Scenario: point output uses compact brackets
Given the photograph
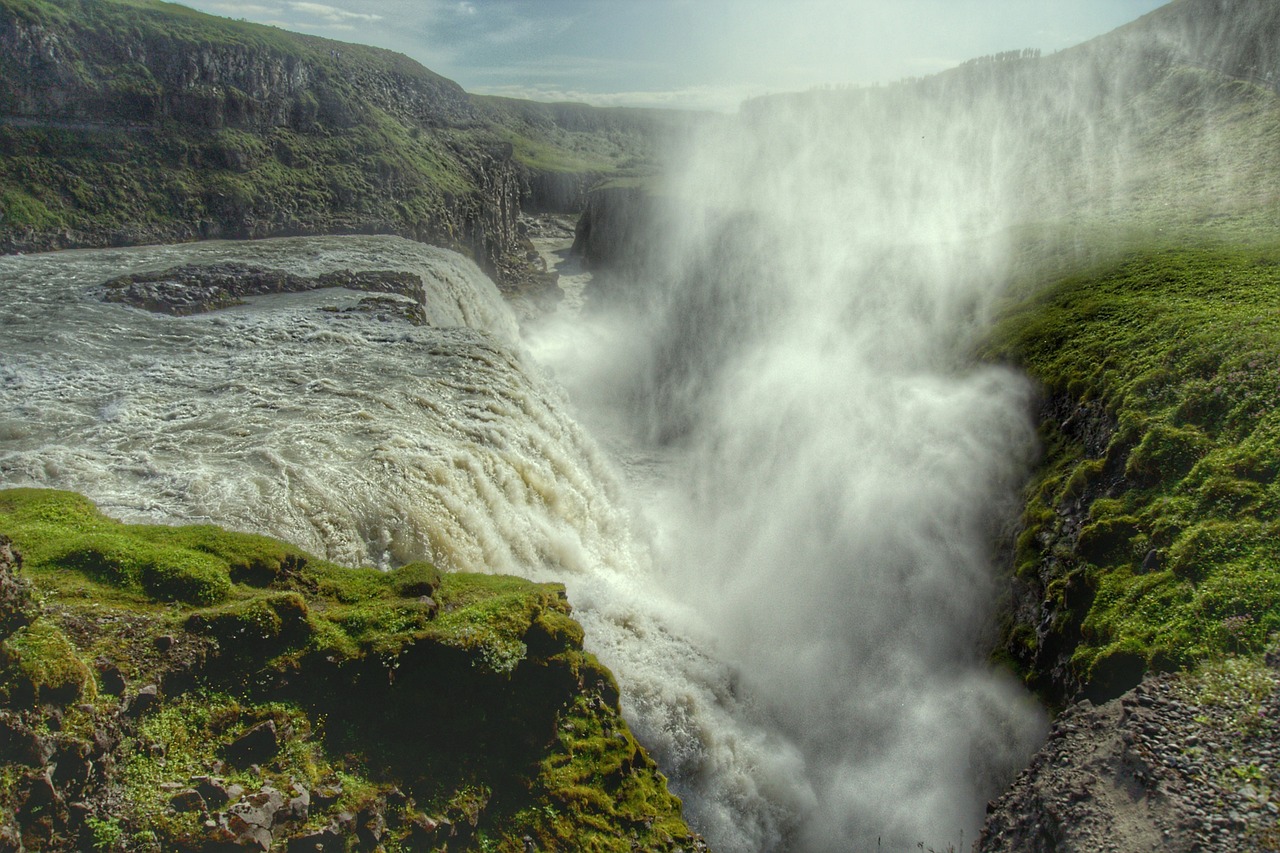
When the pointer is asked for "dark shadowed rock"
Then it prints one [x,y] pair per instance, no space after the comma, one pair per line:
[110,678]
[20,743]
[38,800]
[371,825]
[423,830]
[16,608]
[188,800]
[327,840]
[258,744]
[144,700]
[72,765]
[213,790]
[326,793]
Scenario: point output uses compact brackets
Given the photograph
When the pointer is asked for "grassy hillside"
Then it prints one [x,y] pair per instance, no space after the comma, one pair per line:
[1146,310]
[125,121]
[1151,530]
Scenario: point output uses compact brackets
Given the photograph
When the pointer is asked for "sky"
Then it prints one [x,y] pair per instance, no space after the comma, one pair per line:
[703,54]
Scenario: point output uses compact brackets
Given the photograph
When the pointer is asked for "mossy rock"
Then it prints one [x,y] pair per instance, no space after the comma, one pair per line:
[415,579]
[477,705]
[39,665]
[1110,540]
[268,623]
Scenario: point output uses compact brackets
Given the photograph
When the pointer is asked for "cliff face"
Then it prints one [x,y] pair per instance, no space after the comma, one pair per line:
[615,226]
[146,122]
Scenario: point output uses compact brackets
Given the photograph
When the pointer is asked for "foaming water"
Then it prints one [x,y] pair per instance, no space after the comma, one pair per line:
[368,442]
[838,469]
[800,655]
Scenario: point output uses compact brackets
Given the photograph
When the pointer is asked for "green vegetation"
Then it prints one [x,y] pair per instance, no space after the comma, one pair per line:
[273,133]
[1238,684]
[417,699]
[1151,528]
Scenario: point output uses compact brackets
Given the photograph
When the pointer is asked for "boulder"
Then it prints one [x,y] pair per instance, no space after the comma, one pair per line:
[251,819]
[258,744]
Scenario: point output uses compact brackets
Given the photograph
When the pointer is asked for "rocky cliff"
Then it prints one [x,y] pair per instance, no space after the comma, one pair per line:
[126,123]
[1177,764]
[615,226]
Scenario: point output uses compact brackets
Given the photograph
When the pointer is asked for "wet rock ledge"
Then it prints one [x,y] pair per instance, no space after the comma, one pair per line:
[196,289]
[192,689]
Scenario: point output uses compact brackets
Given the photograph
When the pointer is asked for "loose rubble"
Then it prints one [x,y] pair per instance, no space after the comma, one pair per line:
[1163,768]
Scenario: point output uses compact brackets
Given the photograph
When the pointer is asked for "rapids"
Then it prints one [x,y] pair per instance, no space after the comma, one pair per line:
[377,443]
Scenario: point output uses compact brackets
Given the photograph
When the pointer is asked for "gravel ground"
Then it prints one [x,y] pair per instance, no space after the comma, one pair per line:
[1180,764]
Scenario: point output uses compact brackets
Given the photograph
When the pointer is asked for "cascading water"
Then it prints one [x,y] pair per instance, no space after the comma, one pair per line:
[793,611]
[365,441]
[836,468]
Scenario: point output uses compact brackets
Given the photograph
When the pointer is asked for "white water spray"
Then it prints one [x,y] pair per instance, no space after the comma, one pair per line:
[838,469]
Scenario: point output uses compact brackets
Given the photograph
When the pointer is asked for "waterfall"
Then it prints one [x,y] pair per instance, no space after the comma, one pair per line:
[837,469]
[790,577]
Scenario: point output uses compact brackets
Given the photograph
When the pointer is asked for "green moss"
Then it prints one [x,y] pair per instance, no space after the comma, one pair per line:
[415,579]
[39,664]
[477,700]
[1180,345]
[590,787]
[188,737]
[1236,684]
[258,626]
[20,209]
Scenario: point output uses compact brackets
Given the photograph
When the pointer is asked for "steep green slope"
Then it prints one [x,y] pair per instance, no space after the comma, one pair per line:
[1145,308]
[188,688]
[1151,528]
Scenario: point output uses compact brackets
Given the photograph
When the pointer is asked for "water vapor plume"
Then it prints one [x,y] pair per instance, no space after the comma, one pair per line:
[797,349]
[840,467]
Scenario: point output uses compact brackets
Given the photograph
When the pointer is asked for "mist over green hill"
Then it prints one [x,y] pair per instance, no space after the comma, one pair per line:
[1136,178]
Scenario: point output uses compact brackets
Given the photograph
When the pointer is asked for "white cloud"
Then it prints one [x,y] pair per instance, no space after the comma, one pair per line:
[244,10]
[333,15]
[712,98]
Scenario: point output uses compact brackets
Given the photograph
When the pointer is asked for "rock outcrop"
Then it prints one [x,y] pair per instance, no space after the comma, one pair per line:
[615,226]
[193,289]
[191,689]
[126,123]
